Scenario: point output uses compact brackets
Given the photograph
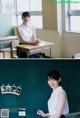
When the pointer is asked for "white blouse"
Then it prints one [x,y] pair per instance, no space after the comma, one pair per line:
[27,32]
[53,102]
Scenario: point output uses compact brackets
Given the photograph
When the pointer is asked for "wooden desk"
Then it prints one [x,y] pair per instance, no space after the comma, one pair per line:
[8,40]
[33,49]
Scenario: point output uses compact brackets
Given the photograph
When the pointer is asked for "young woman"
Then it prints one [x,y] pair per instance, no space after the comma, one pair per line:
[26,33]
[58,103]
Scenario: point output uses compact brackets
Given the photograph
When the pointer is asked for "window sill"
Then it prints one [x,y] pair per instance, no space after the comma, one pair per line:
[76,32]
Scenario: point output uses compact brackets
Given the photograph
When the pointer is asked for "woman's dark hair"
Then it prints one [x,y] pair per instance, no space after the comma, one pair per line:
[54,74]
[26,14]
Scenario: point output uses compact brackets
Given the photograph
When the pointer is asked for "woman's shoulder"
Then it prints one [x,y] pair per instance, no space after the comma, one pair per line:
[62,92]
[19,27]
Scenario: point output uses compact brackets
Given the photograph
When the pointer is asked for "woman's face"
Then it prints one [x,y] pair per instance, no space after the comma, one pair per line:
[53,83]
[25,19]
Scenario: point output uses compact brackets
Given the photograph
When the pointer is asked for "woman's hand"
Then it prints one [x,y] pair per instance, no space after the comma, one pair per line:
[40,112]
[38,41]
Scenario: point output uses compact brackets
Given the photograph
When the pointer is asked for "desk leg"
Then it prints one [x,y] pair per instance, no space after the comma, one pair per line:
[19,52]
[41,55]
[11,52]
[50,52]
[27,55]
[3,55]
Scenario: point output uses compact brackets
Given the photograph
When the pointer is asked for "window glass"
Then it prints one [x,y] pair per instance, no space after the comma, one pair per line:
[19,18]
[73,17]
[23,5]
[36,21]
[8,5]
[74,6]
[75,23]
[30,5]
[17,7]
[35,5]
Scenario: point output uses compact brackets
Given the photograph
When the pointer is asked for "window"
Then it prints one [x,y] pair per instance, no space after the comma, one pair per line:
[7,5]
[35,9]
[22,5]
[73,16]
[17,7]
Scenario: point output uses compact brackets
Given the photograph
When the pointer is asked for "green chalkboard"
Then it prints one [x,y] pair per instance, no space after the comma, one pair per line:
[31,75]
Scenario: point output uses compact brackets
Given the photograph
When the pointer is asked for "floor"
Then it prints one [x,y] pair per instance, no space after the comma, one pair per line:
[7,55]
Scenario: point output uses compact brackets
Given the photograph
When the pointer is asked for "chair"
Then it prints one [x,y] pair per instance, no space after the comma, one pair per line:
[3,53]
[14,44]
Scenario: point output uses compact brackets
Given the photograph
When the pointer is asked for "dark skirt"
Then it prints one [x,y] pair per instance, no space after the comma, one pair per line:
[62,116]
[21,53]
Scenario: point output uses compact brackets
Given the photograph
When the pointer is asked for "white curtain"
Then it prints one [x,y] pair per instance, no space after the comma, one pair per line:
[0,5]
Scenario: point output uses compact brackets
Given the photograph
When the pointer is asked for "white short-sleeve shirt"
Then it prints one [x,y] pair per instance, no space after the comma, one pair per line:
[27,32]
[53,102]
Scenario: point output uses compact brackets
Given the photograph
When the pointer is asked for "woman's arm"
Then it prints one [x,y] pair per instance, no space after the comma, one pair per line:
[22,39]
[62,100]
[41,113]
[61,103]
[34,36]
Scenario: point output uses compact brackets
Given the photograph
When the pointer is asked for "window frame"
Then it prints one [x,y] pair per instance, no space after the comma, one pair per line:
[32,13]
[68,14]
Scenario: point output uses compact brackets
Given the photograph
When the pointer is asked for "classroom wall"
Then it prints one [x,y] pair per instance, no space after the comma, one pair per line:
[70,44]
[65,47]
[5,24]
[49,14]
[51,36]
[31,75]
